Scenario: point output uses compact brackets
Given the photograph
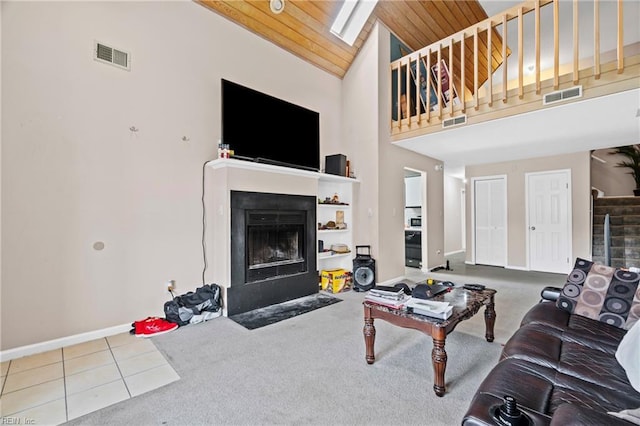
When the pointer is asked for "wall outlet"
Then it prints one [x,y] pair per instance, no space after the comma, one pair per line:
[170,286]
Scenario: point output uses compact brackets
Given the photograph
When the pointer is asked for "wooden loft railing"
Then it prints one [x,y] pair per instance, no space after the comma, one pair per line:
[463,86]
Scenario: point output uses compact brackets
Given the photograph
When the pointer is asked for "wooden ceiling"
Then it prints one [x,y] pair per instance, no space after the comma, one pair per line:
[302,28]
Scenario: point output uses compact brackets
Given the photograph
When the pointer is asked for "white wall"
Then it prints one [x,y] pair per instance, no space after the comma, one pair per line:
[516,172]
[379,215]
[612,180]
[73,174]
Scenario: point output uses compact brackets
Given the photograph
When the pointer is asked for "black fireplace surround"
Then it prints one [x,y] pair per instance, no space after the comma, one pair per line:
[273,257]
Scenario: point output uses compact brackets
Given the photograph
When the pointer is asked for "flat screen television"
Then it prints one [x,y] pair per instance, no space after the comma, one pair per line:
[262,128]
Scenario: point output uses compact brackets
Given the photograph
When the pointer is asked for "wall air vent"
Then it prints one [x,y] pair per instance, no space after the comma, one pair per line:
[109,55]
[455,121]
[562,95]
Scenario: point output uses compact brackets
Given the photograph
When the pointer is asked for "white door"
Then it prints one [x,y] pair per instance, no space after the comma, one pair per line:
[490,221]
[549,224]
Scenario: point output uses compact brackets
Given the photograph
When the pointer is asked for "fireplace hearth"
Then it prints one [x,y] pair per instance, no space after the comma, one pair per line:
[273,258]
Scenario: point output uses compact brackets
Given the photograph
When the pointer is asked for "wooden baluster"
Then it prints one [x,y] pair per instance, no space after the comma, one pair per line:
[428,76]
[576,56]
[399,107]
[439,75]
[407,96]
[504,58]
[520,54]
[475,68]
[489,63]
[537,44]
[452,85]
[596,39]
[620,38]
[463,86]
[418,90]
[556,44]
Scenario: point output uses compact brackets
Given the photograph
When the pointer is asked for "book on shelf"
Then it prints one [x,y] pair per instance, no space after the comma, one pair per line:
[389,303]
[440,310]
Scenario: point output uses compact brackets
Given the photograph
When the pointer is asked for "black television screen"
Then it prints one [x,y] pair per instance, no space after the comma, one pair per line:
[260,127]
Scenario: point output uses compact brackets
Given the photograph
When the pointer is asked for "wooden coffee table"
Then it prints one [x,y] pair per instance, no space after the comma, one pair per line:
[466,303]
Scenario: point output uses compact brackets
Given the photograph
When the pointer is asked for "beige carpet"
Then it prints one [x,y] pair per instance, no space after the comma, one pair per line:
[311,369]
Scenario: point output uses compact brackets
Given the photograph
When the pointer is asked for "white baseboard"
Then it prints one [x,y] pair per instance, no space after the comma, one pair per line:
[469,262]
[49,345]
[454,252]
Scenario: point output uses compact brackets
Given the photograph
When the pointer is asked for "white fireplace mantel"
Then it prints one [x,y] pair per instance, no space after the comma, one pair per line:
[270,168]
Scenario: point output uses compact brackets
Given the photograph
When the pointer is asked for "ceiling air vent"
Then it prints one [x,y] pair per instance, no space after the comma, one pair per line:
[112,56]
[455,121]
[562,95]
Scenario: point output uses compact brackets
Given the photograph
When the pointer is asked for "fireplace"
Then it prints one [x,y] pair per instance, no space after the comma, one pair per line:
[273,257]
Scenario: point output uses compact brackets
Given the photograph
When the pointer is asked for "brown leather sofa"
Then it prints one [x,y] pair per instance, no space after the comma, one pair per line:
[560,368]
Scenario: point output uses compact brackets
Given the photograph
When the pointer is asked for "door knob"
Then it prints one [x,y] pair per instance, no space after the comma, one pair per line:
[533,228]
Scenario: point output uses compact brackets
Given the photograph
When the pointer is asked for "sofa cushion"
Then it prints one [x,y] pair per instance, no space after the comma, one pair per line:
[573,390]
[602,293]
[574,327]
[569,352]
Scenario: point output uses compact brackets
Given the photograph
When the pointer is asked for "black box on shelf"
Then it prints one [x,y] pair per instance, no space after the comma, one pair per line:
[336,164]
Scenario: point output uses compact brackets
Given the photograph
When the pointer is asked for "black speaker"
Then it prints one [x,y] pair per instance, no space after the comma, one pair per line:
[364,270]
[335,164]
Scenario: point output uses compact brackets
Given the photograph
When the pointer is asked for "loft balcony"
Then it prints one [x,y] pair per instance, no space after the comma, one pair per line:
[531,57]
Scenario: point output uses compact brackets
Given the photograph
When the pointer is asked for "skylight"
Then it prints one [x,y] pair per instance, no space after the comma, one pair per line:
[351,19]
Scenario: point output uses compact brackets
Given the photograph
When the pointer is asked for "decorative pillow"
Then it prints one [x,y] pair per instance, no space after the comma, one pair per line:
[602,293]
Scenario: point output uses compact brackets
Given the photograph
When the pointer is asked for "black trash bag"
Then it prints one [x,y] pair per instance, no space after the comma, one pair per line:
[191,306]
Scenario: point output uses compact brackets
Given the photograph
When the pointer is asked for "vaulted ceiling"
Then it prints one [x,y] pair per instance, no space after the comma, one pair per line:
[302,28]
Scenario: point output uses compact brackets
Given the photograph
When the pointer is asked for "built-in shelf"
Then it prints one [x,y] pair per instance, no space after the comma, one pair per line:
[332,255]
[332,231]
[330,186]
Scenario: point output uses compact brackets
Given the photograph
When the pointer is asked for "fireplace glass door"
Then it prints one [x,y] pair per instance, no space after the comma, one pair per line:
[274,244]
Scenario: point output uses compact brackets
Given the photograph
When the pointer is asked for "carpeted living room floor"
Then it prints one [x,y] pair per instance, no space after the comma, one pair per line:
[311,369]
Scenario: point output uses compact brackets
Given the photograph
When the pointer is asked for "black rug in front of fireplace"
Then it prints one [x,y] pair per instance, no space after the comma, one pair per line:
[282,311]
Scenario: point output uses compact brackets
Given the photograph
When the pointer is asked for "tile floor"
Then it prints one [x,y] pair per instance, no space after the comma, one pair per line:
[59,385]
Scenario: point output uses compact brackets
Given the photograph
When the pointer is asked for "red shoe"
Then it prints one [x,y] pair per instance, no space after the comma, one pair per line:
[154,326]
[140,326]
